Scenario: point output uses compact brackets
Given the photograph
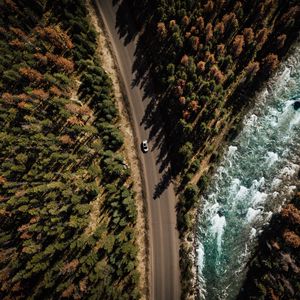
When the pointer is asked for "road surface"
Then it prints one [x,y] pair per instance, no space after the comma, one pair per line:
[163,237]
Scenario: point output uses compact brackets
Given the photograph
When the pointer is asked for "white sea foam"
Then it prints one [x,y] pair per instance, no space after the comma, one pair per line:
[252,214]
[258,198]
[200,255]
[231,150]
[275,183]
[218,224]
[287,172]
[272,157]
[253,233]
[241,194]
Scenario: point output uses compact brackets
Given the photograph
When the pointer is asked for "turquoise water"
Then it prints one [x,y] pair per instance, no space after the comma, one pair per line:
[254,179]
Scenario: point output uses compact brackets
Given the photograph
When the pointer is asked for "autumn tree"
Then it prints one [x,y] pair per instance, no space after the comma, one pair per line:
[208,32]
[237,45]
[200,23]
[252,68]
[161,29]
[219,28]
[201,66]
[280,41]
[248,35]
[31,74]
[261,37]
[209,6]
[270,62]
[184,60]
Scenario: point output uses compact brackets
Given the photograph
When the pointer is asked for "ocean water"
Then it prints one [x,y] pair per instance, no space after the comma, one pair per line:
[254,179]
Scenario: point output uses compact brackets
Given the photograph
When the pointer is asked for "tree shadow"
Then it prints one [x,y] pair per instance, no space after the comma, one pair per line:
[131,24]
[163,184]
[125,24]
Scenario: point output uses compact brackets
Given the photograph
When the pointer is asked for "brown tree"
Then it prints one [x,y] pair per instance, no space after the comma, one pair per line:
[69,291]
[186,114]
[172,23]
[184,60]
[187,34]
[17,43]
[23,97]
[18,32]
[291,238]
[195,42]
[193,29]
[237,45]
[54,90]
[291,213]
[22,105]
[39,94]
[8,98]
[75,121]
[70,266]
[219,28]
[62,63]
[209,6]
[230,21]
[185,20]
[2,180]
[261,37]
[31,74]
[208,32]
[270,62]
[252,68]
[290,15]
[221,49]
[201,66]
[182,100]
[210,57]
[56,36]
[161,29]
[66,139]
[200,23]
[281,41]
[41,58]
[248,35]
[217,74]
[178,90]
[194,106]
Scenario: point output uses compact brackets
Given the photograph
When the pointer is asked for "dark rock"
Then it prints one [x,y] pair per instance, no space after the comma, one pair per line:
[296,105]
[221,212]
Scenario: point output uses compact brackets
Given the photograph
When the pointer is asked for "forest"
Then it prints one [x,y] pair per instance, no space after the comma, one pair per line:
[67,206]
[206,60]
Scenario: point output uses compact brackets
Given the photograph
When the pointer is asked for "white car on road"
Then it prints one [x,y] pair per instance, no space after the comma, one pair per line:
[144,145]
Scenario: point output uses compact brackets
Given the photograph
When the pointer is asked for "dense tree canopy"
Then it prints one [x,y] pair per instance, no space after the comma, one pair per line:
[67,210]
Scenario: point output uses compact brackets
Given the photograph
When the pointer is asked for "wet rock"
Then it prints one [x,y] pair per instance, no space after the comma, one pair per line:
[296,105]
[221,213]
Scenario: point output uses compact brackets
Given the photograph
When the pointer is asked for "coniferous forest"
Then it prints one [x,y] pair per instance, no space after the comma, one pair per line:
[67,210]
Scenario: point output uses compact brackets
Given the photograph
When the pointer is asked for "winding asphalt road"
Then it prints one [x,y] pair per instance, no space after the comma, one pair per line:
[163,236]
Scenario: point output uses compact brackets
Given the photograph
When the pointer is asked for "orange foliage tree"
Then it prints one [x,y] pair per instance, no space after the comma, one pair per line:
[237,45]
[31,74]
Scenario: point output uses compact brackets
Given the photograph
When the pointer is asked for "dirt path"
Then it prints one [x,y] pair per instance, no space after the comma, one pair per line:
[107,62]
